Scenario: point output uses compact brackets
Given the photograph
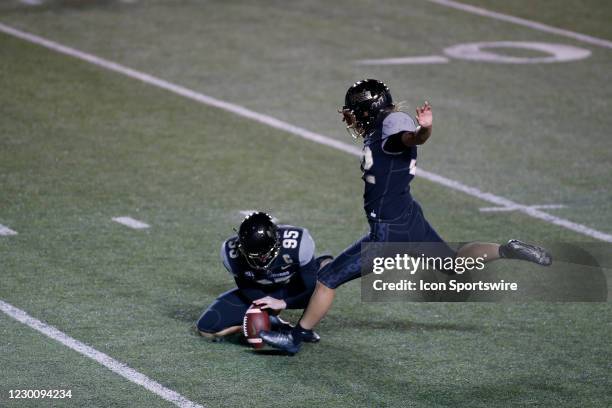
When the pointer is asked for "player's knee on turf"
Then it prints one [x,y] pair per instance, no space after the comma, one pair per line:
[211,325]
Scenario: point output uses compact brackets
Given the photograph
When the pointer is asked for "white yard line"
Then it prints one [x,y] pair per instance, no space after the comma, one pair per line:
[533,207]
[524,22]
[427,59]
[6,231]
[116,366]
[132,223]
[295,130]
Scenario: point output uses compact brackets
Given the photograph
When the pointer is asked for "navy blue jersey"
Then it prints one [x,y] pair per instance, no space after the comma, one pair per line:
[387,175]
[296,250]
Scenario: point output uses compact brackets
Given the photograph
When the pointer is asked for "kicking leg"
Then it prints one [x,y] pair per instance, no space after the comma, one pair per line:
[488,251]
[513,249]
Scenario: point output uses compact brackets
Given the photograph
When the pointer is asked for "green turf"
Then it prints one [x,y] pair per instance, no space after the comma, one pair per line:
[590,17]
[31,361]
[296,62]
[79,145]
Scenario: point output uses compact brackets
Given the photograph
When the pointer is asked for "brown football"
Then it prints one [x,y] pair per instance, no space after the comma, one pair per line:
[254,321]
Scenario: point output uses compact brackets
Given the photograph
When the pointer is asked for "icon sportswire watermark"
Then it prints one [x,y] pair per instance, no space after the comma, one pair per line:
[424,272]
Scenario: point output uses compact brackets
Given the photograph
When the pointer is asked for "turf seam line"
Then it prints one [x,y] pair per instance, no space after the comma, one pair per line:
[114,365]
[295,130]
[524,22]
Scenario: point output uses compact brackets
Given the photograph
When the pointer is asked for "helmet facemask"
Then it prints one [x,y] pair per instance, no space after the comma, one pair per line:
[260,261]
[353,127]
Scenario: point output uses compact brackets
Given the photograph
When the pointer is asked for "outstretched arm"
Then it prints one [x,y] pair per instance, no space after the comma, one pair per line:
[424,117]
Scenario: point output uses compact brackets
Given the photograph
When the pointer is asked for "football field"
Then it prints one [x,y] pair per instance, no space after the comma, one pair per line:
[180,115]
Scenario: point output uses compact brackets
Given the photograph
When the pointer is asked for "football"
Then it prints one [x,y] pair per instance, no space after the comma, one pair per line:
[255,320]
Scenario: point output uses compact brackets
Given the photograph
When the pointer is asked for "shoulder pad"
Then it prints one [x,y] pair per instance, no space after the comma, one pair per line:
[397,122]
[229,254]
[307,248]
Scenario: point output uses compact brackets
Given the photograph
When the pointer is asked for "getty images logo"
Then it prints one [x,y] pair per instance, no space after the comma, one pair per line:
[411,264]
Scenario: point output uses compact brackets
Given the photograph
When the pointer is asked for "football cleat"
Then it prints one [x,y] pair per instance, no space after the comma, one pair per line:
[278,324]
[516,249]
[310,336]
[281,341]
